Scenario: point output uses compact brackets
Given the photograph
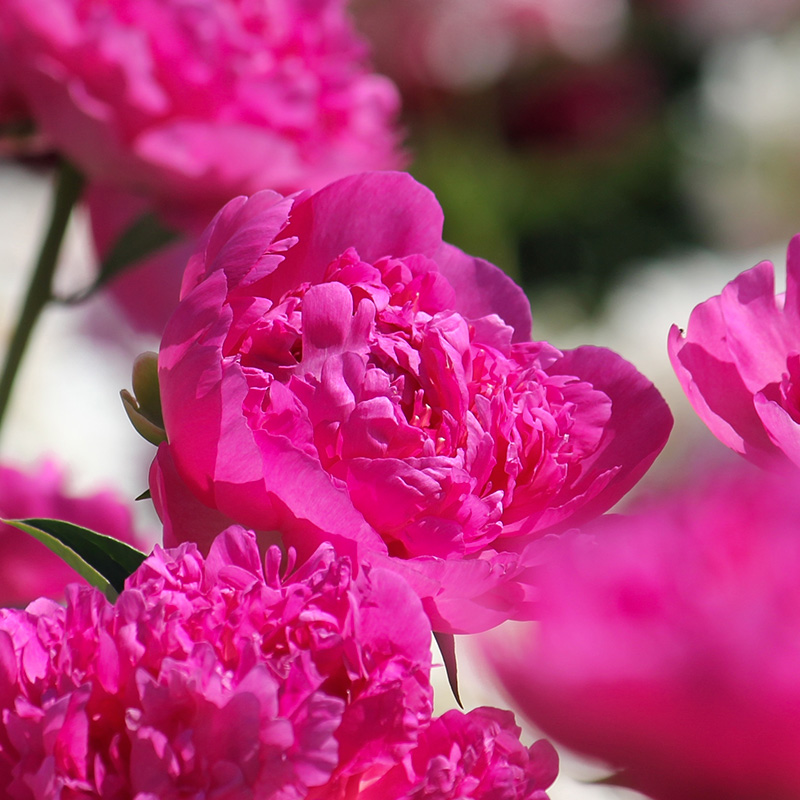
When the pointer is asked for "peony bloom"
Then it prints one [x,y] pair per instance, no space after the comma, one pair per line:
[192,103]
[669,646]
[212,678]
[476,755]
[176,107]
[28,569]
[739,363]
[336,373]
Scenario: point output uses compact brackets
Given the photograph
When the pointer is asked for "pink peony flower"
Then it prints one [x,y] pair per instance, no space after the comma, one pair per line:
[476,755]
[739,363]
[669,646]
[212,678]
[192,103]
[179,106]
[28,569]
[335,372]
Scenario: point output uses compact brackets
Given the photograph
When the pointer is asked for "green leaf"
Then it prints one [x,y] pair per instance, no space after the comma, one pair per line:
[103,561]
[145,235]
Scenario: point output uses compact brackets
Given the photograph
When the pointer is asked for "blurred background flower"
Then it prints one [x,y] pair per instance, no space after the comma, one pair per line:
[177,107]
[668,642]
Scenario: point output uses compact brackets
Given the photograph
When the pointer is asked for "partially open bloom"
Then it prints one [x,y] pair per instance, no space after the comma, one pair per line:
[27,568]
[668,646]
[739,363]
[336,373]
[213,678]
[476,755]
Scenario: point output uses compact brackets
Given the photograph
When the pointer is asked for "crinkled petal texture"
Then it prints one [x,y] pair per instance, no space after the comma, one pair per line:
[476,755]
[668,645]
[28,569]
[739,363]
[213,678]
[196,102]
[335,372]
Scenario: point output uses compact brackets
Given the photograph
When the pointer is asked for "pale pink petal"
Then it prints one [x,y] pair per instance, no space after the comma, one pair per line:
[780,427]
[740,345]
[757,333]
[714,387]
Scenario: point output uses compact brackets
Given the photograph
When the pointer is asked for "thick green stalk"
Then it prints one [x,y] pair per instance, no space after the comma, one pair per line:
[40,288]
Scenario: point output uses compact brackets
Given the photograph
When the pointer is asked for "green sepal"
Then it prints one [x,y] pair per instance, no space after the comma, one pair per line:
[146,390]
[447,647]
[143,407]
[144,427]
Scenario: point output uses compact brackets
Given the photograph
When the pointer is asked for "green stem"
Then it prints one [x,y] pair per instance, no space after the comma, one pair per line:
[40,291]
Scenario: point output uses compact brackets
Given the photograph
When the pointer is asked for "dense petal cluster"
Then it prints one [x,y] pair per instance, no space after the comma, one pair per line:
[335,372]
[213,678]
[27,568]
[739,363]
[196,102]
[668,646]
[476,755]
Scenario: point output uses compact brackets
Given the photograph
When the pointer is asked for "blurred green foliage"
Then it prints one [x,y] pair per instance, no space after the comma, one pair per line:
[572,202]
[578,219]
